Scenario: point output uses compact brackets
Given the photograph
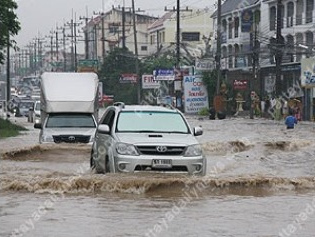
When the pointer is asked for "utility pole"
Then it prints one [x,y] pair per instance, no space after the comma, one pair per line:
[8,69]
[73,27]
[136,50]
[279,48]
[179,92]
[218,53]
[86,40]
[123,26]
[103,36]
[64,49]
[178,10]
[255,64]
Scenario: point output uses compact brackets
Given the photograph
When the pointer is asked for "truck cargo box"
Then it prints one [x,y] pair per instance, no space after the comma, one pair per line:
[69,92]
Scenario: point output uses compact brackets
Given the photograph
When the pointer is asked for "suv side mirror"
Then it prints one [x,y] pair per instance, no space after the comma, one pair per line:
[103,129]
[198,131]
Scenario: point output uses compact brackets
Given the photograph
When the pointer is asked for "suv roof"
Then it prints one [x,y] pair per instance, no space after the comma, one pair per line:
[161,108]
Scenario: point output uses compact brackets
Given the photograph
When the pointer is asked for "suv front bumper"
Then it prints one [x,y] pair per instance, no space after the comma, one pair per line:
[189,165]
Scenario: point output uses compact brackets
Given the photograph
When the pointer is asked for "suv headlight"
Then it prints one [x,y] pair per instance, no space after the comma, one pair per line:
[46,138]
[126,149]
[193,150]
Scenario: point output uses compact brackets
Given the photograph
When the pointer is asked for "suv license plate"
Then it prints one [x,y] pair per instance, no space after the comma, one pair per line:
[166,164]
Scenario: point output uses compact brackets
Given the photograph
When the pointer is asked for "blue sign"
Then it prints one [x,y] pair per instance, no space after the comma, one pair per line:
[164,74]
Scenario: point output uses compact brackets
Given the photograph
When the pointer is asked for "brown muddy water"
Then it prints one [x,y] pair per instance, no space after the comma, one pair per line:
[260,182]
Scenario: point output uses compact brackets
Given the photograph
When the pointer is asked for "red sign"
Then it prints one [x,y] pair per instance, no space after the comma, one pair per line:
[128,78]
[240,84]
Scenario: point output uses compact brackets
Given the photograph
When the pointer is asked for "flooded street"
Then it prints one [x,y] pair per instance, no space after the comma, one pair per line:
[260,182]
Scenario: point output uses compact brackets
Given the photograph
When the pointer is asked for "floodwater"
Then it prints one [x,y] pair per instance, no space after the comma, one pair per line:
[260,182]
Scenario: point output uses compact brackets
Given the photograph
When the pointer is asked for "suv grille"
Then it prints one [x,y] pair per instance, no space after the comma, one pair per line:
[71,139]
[161,150]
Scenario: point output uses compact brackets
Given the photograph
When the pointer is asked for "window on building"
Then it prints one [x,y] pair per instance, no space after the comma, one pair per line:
[191,36]
[309,10]
[290,13]
[230,28]
[299,50]
[282,15]
[144,48]
[309,38]
[290,48]
[224,26]
[152,39]
[236,26]
[299,12]
[230,49]
[224,56]
[113,28]
[237,56]
[272,18]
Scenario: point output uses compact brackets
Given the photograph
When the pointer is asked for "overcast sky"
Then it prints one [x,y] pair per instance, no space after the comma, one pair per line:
[39,17]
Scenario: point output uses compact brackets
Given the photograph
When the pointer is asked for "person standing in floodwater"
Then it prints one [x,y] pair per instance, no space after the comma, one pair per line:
[290,120]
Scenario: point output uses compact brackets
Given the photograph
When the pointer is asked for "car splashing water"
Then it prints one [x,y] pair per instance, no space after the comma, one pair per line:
[260,182]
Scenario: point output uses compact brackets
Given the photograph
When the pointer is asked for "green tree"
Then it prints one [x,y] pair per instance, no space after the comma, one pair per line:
[9,25]
[210,80]
[118,62]
[152,63]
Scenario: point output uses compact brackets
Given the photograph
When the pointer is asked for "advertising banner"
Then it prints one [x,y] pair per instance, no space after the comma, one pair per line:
[128,78]
[87,65]
[308,72]
[240,84]
[205,64]
[164,75]
[148,82]
[196,95]
[270,83]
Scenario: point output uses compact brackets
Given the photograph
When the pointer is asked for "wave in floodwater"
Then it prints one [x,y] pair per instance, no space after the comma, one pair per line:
[144,184]
[49,152]
[247,145]
[18,173]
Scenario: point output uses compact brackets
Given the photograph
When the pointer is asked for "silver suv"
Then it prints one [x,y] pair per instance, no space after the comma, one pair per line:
[143,138]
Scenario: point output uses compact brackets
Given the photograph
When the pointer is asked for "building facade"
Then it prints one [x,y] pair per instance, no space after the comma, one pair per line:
[115,29]
[249,28]
[196,32]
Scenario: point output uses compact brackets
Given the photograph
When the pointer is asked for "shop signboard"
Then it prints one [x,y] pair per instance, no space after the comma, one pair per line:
[195,93]
[270,83]
[88,65]
[308,72]
[148,82]
[240,84]
[204,64]
[164,75]
[128,78]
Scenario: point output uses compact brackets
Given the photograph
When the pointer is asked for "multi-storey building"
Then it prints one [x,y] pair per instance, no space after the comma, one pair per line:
[245,22]
[115,29]
[196,30]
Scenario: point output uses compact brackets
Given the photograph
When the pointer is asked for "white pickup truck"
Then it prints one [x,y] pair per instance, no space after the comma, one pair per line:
[69,107]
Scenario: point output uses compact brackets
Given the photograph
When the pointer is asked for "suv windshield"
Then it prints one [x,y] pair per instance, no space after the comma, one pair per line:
[70,120]
[151,121]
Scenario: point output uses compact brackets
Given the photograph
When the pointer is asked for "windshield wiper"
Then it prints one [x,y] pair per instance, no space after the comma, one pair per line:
[147,131]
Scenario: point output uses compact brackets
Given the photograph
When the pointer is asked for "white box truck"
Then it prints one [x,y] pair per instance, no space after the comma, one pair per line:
[69,107]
